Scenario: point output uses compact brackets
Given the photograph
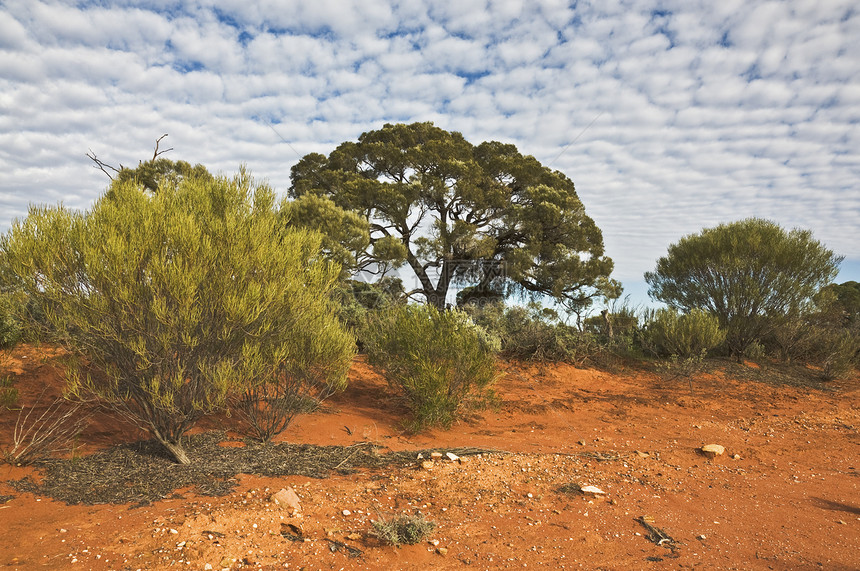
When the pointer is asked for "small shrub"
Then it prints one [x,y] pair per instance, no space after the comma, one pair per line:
[839,353]
[437,359]
[684,335]
[8,393]
[403,529]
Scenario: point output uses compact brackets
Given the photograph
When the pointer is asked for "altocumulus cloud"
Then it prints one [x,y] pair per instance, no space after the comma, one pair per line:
[669,116]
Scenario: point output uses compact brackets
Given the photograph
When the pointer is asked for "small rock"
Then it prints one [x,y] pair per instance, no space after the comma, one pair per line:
[354,536]
[346,512]
[842,522]
[452,457]
[207,567]
[442,550]
[593,490]
[427,464]
[173,532]
[703,536]
[642,454]
[436,455]
[736,456]
[581,443]
[713,450]
[287,499]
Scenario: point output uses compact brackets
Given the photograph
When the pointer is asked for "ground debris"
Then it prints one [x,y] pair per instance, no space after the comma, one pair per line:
[657,535]
[141,473]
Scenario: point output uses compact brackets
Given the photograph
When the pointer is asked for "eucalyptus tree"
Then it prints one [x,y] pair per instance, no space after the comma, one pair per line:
[483,216]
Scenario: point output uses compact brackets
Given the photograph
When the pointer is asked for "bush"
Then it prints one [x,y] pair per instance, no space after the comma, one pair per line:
[684,335]
[838,352]
[437,359]
[178,297]
[403,529]
[534,332]
[10,325]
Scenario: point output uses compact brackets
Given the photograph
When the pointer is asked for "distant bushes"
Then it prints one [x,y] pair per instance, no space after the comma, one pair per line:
[438,360]
[534,332]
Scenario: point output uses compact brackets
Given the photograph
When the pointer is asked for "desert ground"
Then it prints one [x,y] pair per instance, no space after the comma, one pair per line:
[784,495]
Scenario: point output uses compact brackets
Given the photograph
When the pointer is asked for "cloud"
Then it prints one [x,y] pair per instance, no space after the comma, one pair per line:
[668,120]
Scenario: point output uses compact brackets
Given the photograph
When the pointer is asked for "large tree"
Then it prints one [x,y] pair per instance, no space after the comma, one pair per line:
[485,216]
[747,273]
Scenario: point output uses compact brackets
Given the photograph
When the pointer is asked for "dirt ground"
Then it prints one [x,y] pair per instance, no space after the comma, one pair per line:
[785,495]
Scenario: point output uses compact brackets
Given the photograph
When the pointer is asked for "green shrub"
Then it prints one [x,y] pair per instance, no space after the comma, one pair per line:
[437,359]
[179,297]
[8,393]
[10,325]
[535,333]
[684,335]
[403,529]
[838,352]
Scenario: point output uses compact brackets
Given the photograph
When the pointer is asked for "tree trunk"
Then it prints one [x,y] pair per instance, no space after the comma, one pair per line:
[176,450]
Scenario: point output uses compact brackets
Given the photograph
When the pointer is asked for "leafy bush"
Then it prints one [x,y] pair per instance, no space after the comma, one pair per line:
[438,359]
[838,352]
[534,332]
[10,325]
[403,529]
[684,335]
[179,297]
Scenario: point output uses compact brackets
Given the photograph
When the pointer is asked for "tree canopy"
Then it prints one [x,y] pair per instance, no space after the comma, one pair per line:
[743,272]
[484,216]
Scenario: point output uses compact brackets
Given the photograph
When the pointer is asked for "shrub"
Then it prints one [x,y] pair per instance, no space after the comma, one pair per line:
[10,325]
[838,352]
[534,332]
[8,393]
[403,529]
[438,359]
[178,297]
[684,335]
[44,429]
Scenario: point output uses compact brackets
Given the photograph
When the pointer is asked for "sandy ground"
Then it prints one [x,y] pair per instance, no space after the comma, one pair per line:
[785,495]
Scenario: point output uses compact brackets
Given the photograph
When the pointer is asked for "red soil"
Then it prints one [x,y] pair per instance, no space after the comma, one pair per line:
[786,495]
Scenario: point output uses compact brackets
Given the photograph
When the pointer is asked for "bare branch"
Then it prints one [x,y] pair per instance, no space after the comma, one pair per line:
[158,152]
[101,165]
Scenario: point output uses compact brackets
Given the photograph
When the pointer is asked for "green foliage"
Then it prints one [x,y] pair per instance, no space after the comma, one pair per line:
[159,172]
[179,297]
[454,212]
[403,529]
[534,332]
[437,359]
[686,335]
[8,393]
[839,352]
[10,324]
[745,273]
[345,234]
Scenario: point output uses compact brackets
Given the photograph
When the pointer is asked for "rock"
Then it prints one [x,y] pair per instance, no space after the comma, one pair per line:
[581,442]
[593,490]
[346,512]
[642,454]
[452,457]
[427,464]
[207,567]
[287,499]
[442,550]
[736,456]
[436,455]
[713,450]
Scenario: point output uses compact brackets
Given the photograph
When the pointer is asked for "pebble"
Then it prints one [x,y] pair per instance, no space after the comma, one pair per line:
[346,512]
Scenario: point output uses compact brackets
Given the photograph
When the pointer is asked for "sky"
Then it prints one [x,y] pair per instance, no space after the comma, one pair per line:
[669,117]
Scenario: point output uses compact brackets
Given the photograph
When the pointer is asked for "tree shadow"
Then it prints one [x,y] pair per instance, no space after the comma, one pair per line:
[834,506]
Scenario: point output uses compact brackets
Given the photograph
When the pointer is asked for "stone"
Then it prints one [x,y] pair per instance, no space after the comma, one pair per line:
[642,454]
[287,499]
[427,464]
[593,490]
[436,455]
[713,450]
[442,550]
[346,512]
[452,457]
